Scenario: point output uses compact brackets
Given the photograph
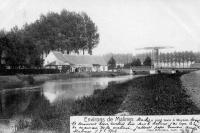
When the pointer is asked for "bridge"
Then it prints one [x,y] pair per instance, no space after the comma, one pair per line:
[172,70]
[155,67]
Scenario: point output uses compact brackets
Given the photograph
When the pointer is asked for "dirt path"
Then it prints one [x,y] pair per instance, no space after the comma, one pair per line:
[191,82]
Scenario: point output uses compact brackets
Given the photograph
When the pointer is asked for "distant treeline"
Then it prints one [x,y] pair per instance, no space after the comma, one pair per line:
[179,57]
[139,59]
[119,58]
[65,32]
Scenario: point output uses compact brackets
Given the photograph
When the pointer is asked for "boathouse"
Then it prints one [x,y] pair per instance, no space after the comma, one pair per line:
[75,63]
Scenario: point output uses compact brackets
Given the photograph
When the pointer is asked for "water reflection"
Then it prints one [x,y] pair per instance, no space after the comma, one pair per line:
[19,102]
[32,102]
[55,91]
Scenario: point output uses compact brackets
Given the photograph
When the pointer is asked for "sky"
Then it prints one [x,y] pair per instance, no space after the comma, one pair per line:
[123,25]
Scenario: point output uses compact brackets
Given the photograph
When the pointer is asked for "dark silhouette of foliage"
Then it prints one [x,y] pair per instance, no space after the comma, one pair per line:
[65,32]
[111,63]
[136,62]
[147,61]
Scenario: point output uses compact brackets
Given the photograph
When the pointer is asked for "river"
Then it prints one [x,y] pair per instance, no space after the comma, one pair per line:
[24,101]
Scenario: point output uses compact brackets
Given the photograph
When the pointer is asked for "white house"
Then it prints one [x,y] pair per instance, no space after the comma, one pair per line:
[76,63]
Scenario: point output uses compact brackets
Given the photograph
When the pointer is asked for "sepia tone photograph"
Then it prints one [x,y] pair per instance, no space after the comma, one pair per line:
[62,58]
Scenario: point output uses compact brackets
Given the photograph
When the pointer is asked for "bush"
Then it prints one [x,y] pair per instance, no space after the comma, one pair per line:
[147,61]
[136,62]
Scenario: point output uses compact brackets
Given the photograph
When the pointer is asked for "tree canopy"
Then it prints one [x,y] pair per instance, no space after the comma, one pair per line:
[147,61]
[136,62]
[111,63]
[65,32]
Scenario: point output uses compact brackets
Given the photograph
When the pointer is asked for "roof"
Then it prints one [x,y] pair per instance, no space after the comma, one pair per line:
[59,56]
[87,60]
[51,63]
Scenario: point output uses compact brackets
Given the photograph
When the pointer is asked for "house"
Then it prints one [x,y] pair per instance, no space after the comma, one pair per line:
[55,60]
[75,63]
[119,65]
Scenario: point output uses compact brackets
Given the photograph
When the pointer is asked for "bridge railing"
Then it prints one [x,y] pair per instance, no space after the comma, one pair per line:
[147,68]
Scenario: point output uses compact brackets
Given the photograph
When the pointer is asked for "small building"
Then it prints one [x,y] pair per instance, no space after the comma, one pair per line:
[119,65]
[75,63]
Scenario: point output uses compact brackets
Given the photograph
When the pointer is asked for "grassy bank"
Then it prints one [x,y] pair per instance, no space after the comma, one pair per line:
[102,102]
[16,81]
[150,95]
[161,94]
[158,95]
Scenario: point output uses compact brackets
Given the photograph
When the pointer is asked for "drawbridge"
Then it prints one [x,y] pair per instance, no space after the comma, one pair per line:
[155,67]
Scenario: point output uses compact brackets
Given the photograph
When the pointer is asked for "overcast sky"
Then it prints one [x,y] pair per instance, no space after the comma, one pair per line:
[123,24]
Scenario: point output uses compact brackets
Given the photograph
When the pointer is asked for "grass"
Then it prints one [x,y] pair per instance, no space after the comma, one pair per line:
[102,102]
[161,94]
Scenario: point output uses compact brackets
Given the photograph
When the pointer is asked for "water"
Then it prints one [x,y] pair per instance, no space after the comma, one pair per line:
[23,102]
[77,87]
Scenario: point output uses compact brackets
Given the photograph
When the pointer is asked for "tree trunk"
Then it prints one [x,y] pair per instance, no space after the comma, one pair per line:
[83,51]
[90,51]
[0,59]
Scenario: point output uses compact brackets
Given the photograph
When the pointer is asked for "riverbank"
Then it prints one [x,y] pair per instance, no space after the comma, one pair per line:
[161,94]
[18,81]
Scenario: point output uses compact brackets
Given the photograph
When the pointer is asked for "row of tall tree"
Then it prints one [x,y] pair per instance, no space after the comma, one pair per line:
[178,57]
[65,32]
[184,57]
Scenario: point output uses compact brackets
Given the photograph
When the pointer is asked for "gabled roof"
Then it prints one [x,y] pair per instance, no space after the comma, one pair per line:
[87,60]
[59,56]
[51,63]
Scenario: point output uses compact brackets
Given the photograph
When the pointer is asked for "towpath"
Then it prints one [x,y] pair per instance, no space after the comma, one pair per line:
[191,82]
